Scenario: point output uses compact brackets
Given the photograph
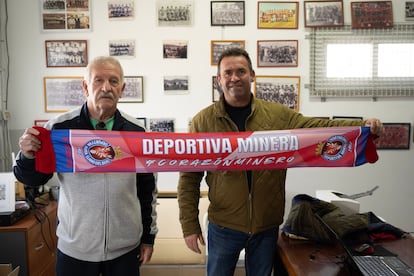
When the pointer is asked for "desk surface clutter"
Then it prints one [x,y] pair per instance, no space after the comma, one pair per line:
[301,257]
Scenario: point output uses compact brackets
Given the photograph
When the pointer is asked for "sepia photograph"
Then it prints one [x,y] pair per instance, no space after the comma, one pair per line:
[277,15]
[227,13]
[120,9]
[396,136]
[409,10]
[66,53]
[372,15]
[66,15]
[176,85]
[324,13]
[277,53]
[219,46]
[175,12]
[280,89]
[122,48]
[134,90]
[175,49]
[162,125]
[63,93]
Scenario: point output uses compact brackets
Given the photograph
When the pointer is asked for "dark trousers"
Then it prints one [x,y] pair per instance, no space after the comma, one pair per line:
[125,265]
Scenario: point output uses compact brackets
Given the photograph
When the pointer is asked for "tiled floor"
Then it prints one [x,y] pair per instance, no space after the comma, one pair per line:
[180,270]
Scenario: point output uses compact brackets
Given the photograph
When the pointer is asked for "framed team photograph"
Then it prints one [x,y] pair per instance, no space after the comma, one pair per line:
[58,15]
[277,15]
[122,48]
[161,125]
[121,9]
[66,53]
[277,53]
[215,91]
[281,89]
[227,13]
[175,49]
[175,85]
[173,13]
[396,136]
[409,10]
[219,46]
[324,13]
[63,93]
[134,90]
[372,15]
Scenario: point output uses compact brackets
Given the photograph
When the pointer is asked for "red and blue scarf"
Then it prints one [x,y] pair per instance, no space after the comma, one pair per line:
[124,151]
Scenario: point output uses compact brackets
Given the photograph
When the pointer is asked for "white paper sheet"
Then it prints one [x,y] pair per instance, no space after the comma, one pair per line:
[7,192]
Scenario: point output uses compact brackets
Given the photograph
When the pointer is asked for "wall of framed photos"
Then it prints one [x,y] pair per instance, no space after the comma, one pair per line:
[155,54]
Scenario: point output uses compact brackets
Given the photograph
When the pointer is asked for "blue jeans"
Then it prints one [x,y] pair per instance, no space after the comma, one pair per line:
[127,264]
[224,246]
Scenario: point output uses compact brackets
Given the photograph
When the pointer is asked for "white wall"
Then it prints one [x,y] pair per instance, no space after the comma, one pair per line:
[394,171]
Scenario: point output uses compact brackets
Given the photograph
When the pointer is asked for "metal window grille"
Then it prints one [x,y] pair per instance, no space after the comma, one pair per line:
[323,87]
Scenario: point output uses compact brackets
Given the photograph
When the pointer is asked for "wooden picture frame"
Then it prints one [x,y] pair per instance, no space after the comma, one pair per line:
[409,10]
[277,53]
[281,89]
[40,123]
[63,93]
[219,46]
[277,15]
[134,90]
[215,89]
[372,15]
[227,13]
[396,136]
[324,13]
[66,53]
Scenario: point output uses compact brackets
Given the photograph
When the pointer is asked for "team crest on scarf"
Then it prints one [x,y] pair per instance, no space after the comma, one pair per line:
[334,148]
[98,152]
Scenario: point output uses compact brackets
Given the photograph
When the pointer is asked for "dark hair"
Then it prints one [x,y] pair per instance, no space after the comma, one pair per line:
[234,52]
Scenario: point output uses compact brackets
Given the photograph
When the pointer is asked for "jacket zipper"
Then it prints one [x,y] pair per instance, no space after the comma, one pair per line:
[106,214]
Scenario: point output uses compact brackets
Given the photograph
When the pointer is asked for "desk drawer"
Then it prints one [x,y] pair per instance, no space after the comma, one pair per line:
[41,244]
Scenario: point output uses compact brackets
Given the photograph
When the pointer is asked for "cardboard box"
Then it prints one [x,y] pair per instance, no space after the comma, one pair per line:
[7,270]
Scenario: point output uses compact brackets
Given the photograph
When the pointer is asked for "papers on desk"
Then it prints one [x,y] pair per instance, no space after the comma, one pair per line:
[7,192]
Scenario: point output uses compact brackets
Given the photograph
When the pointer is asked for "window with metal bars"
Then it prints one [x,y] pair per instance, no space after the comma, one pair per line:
[346,62]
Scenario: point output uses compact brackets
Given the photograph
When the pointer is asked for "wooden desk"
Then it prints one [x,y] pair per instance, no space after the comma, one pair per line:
[296,256]
[31,242]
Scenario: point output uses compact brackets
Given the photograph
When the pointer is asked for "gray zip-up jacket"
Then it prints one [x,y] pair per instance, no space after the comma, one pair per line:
[101,216]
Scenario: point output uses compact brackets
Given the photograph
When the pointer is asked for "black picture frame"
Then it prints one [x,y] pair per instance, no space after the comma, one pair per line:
[335,117]
[227,13]
[143,121]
